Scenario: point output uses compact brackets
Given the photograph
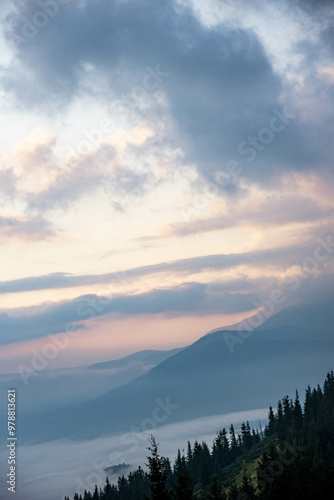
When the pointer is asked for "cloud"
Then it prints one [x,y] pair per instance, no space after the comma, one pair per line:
[77,179]
[7,183]
[197,298]
[280,257]
[24,228]
[213,92]
[42,181]
[314,5]
[35,152]
[44,320]
[55,280]
[273,210]
[221,89]
[96,171]
[298,274]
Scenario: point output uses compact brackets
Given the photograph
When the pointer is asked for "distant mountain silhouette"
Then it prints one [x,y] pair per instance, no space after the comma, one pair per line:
[314,319]
[148,357]
[221,372]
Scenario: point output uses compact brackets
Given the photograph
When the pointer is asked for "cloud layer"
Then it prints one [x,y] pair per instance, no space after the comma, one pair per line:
[187,145]
[219,83]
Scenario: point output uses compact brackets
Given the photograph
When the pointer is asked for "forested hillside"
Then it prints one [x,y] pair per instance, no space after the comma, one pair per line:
[293,458]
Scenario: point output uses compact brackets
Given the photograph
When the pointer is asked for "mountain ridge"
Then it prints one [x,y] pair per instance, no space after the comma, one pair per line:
[209,377]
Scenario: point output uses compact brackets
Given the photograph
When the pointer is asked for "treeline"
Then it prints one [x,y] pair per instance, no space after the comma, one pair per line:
[293,458]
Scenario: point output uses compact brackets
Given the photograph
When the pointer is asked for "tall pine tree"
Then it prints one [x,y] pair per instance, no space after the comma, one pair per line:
[157,474]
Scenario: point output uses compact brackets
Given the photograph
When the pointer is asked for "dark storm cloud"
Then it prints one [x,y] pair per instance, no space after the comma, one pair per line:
[221,88]
[313,5]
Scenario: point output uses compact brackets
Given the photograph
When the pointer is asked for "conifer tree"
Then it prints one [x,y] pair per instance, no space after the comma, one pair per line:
[107,492]
[189,454]
[157,474]
[280,422]
[247,488]
[270,429]
[195,462]
[246,435]
[215,490]
[183,488]
[205,465]
[233,492]
[220,450]
[297,461]
[233,439]
[96,495]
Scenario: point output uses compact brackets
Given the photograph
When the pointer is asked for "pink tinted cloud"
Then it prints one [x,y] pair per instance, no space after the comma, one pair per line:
[111,338]
[25,228]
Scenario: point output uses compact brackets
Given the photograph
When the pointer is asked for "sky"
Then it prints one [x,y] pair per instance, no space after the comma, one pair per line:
[166,168]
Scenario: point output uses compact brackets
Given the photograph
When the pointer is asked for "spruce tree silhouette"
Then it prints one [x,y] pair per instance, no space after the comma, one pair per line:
[157,474]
